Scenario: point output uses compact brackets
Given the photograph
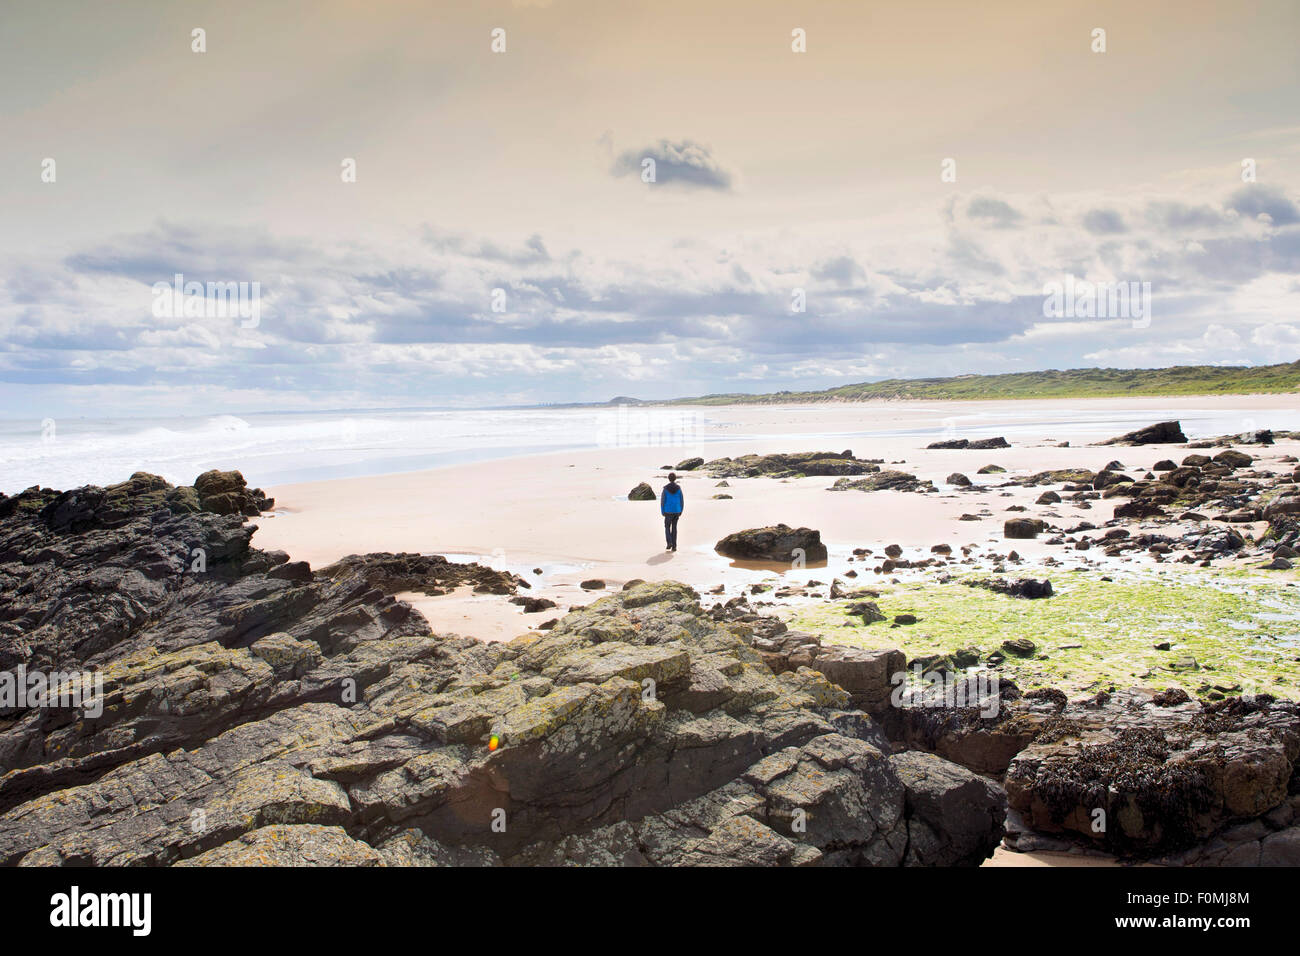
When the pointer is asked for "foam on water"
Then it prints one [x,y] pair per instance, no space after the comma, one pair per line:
[277,448]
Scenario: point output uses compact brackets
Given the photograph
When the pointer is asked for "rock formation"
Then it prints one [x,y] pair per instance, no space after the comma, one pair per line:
[642,492]
[968,443]
[1158,434]
[791,465]
[256,711]
[776,543]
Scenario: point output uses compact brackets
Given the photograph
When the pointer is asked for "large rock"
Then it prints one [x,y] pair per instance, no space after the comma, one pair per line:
[1282,505]
[1023,527]
[955,817]
[1233,459]
[227,493]
[886,480]
[1161,433]
[774,543]
[868,675]
[642,492]
[966,443]
[1140,776]
[791,465]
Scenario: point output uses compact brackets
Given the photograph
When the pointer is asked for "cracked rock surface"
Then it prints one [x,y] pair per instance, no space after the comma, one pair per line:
[257,711]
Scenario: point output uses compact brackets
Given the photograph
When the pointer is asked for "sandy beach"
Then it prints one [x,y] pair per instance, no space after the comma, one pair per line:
[561,519]
[567,513]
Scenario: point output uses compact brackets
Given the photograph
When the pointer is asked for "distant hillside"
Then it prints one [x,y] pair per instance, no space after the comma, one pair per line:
[1071,383]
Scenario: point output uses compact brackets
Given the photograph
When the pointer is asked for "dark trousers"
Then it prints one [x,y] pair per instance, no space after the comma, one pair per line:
[670,530]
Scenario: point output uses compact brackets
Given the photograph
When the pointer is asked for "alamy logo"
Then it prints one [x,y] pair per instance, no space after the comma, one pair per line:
[626,428]
[21,689]
[74,908]
[213,300]
[1098,300]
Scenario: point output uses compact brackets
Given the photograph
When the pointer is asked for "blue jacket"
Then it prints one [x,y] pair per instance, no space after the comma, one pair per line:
[671,500]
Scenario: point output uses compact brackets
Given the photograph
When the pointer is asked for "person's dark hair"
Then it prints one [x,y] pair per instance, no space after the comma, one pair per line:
[672,476]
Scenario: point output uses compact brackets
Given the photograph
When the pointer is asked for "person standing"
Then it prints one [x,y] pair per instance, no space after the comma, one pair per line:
[671,504]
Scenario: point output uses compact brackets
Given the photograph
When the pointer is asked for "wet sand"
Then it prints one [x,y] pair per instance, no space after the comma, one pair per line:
[567,513]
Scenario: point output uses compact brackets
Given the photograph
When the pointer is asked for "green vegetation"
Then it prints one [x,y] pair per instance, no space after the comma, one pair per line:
[1070,383]
[1241,627]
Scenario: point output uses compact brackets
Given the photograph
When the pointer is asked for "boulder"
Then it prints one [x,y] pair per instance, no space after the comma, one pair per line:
[884,480]
[1158,434]
[1020,647]
[642,492]
[1021,587]
[1233,459]
[1138,509]
[867,675]
[964,443]
[869,611]
[779,543]
[1282,505]
[1023,527]
[227,493]
[954,817]
[792,465]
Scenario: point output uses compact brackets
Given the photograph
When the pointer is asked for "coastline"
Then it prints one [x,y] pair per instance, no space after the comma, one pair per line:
[559,519]
[549,534]
[566,513]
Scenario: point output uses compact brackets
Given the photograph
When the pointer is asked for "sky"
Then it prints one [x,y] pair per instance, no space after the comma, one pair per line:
[895,200]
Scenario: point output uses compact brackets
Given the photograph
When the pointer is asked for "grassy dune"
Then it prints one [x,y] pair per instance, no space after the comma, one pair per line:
[1070,383]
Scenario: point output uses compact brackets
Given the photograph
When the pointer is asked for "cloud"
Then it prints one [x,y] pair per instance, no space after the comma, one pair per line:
[1257,201]
[415,318]
[1182,217]
[1104,222]
[842,269]
[685,163]
[994,213]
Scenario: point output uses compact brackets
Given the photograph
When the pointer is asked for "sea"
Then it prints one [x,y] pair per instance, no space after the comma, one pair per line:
[274,448]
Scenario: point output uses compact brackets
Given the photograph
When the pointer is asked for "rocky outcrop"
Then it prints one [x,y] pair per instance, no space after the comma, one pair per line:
[887,480]
[779,543]
[1134,772]
[967,443]
[252,716]
[1161,433]
[1147,777]
[227,493]
[791,465]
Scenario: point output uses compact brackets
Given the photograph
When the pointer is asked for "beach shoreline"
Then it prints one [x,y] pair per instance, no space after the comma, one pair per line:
[567,514]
